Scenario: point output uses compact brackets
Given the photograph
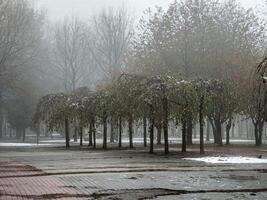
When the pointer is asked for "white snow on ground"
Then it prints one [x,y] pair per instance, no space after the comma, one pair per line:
[21,145]
[229,160]
[53,141]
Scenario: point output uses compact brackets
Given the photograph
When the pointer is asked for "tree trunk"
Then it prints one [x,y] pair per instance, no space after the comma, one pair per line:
[228,128]
[18,133]
[120,132]
[130,126]
[159,131]
[1,127]
[104,131]
[218,135]
[247,129]
[189,131]
[75,137]
[208,131]
[37,133]
[24,135]
[201,124]
[81,136]
[233,130]
[184,136]
[258,130]
[195,132]
[223,131]
[90,134]
[145,131]
[151,131]
[1,118]
[240,129]
[94,133]
[261,124]
[165,125]
[45,131]
[112,140]
[67,136]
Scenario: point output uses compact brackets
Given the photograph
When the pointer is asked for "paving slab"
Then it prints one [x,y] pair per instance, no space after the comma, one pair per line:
[56,173]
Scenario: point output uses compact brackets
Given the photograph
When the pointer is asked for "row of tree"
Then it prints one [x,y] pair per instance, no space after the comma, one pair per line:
[38,57]
[192,40]
[154,101]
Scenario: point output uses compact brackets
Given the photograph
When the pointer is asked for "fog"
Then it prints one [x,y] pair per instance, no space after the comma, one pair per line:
[68,65]
[58,9]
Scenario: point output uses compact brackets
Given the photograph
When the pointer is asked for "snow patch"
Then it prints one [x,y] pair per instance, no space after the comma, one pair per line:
[229,160]
[21,145]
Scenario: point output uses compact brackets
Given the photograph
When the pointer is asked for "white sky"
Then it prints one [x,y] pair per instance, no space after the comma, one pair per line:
[57,9]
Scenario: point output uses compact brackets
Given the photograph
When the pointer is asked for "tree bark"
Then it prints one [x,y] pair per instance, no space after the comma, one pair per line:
[24,135]
[120,132]
[18,133]
[38,136]
[195,133]
[67,136]
[46,132]
[247,129]
[151,131]
[81,136]
[218,135]
[104,131]
[130,126]
[189,131]
[159,131]
[165,125]
[233,130]
[201,125]
[145,131]
[94,133]
[112,140]
[90,134]
[240,128]
[228,128]
[75,132]
[258,130]
[184,136]
[1,118]
[208,131]
[261,125]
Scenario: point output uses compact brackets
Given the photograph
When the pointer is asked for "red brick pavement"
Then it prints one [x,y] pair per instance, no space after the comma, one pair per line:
[20,181]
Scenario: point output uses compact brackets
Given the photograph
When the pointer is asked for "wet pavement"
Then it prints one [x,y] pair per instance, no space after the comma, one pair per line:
[56,173]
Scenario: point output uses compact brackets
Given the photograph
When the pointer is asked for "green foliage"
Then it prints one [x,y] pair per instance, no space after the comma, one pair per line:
[52,110]
[135,95]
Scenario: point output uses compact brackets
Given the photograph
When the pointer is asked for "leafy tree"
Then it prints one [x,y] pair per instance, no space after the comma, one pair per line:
[183,99]
[254,100]
[54,110]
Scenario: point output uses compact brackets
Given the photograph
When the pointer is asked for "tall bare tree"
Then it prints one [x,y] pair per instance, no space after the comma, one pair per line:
[20,36]
[113,33]
[71,58]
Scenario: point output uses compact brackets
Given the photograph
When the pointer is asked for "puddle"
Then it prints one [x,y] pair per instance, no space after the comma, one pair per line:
[242,178]
[142,194]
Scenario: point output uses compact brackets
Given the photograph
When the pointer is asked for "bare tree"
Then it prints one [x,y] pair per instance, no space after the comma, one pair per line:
[71,58]
[113,32]
[20,35]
